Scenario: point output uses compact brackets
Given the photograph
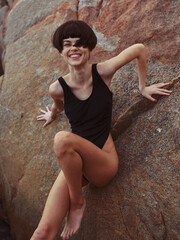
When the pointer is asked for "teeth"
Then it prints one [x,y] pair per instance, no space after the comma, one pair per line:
[74,56]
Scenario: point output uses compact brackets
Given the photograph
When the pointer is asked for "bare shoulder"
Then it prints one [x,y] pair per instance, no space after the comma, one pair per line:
[105,71]
[56,91]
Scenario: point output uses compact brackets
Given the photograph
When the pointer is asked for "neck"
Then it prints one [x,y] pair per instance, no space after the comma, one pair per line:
[80,74]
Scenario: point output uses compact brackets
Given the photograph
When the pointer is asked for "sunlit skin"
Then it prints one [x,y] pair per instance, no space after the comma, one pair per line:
[74,56]
[98,165]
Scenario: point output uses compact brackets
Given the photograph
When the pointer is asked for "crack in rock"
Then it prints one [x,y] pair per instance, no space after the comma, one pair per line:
[140,105]
[77,10]
[1,82]
[162,216]
[100,6]
[15,189]
[126,227]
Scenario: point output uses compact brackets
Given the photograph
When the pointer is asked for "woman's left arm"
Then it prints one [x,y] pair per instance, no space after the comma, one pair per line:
[136,51]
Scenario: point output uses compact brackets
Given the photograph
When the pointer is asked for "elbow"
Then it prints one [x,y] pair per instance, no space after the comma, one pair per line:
[141,46]
[141,50]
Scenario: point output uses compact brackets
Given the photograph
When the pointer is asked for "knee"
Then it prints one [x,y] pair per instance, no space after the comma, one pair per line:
[62,143]
[42,232]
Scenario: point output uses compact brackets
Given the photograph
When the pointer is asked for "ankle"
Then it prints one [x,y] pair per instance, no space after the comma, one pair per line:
[77,204]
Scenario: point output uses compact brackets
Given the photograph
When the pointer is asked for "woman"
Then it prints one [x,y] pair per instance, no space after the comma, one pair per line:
[88,152]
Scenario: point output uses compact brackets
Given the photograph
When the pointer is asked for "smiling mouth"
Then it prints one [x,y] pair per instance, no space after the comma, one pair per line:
[75,55]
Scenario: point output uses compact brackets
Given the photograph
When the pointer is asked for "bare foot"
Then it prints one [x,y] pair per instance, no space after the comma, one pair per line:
[73,222]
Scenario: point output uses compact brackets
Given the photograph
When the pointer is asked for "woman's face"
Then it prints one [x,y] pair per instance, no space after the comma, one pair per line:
[74,55]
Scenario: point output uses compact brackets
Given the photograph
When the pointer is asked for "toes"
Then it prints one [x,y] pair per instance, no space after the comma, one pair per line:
[71,233]
[68,234]
[75,231]
[65,233]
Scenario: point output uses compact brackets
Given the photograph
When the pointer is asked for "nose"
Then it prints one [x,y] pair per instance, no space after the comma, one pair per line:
[74,46]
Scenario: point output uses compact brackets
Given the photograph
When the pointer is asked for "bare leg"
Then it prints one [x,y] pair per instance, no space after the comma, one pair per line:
[76,155]
[56,208]
[71,165]
[73,222]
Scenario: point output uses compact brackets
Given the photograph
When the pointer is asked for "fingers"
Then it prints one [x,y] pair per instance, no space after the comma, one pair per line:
[161,84]
[157,90]
[46,123]
[166,93]
[44,115]
[151,98]
[40,119]
[42,111]
[163,91]
[40,116]
[47,109]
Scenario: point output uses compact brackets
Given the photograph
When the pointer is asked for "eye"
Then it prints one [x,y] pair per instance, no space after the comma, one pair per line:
[66,44]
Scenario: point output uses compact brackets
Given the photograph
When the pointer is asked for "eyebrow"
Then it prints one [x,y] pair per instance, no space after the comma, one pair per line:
[66,41]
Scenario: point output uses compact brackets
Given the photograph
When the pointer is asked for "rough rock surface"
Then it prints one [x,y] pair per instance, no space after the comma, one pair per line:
[144,194]
[4,231]
[141,202]
[3,11]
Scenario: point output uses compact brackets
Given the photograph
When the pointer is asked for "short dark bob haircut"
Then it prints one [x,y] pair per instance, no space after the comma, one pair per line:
[74,29]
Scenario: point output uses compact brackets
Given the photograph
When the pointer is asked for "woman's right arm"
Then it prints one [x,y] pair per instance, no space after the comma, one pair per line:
[56,93]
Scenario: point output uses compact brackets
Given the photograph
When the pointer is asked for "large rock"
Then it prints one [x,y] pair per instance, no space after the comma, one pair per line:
[4,231]
[31,12]
[3,11]
[141,202]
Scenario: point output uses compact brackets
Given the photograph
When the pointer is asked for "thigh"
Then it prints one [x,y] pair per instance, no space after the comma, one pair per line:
[99,165]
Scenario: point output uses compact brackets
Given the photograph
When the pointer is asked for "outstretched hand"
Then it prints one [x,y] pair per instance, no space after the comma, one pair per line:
[155,89]
[46,116]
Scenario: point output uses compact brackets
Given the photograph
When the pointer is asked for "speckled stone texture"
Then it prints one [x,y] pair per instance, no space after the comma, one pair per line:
[141,203]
